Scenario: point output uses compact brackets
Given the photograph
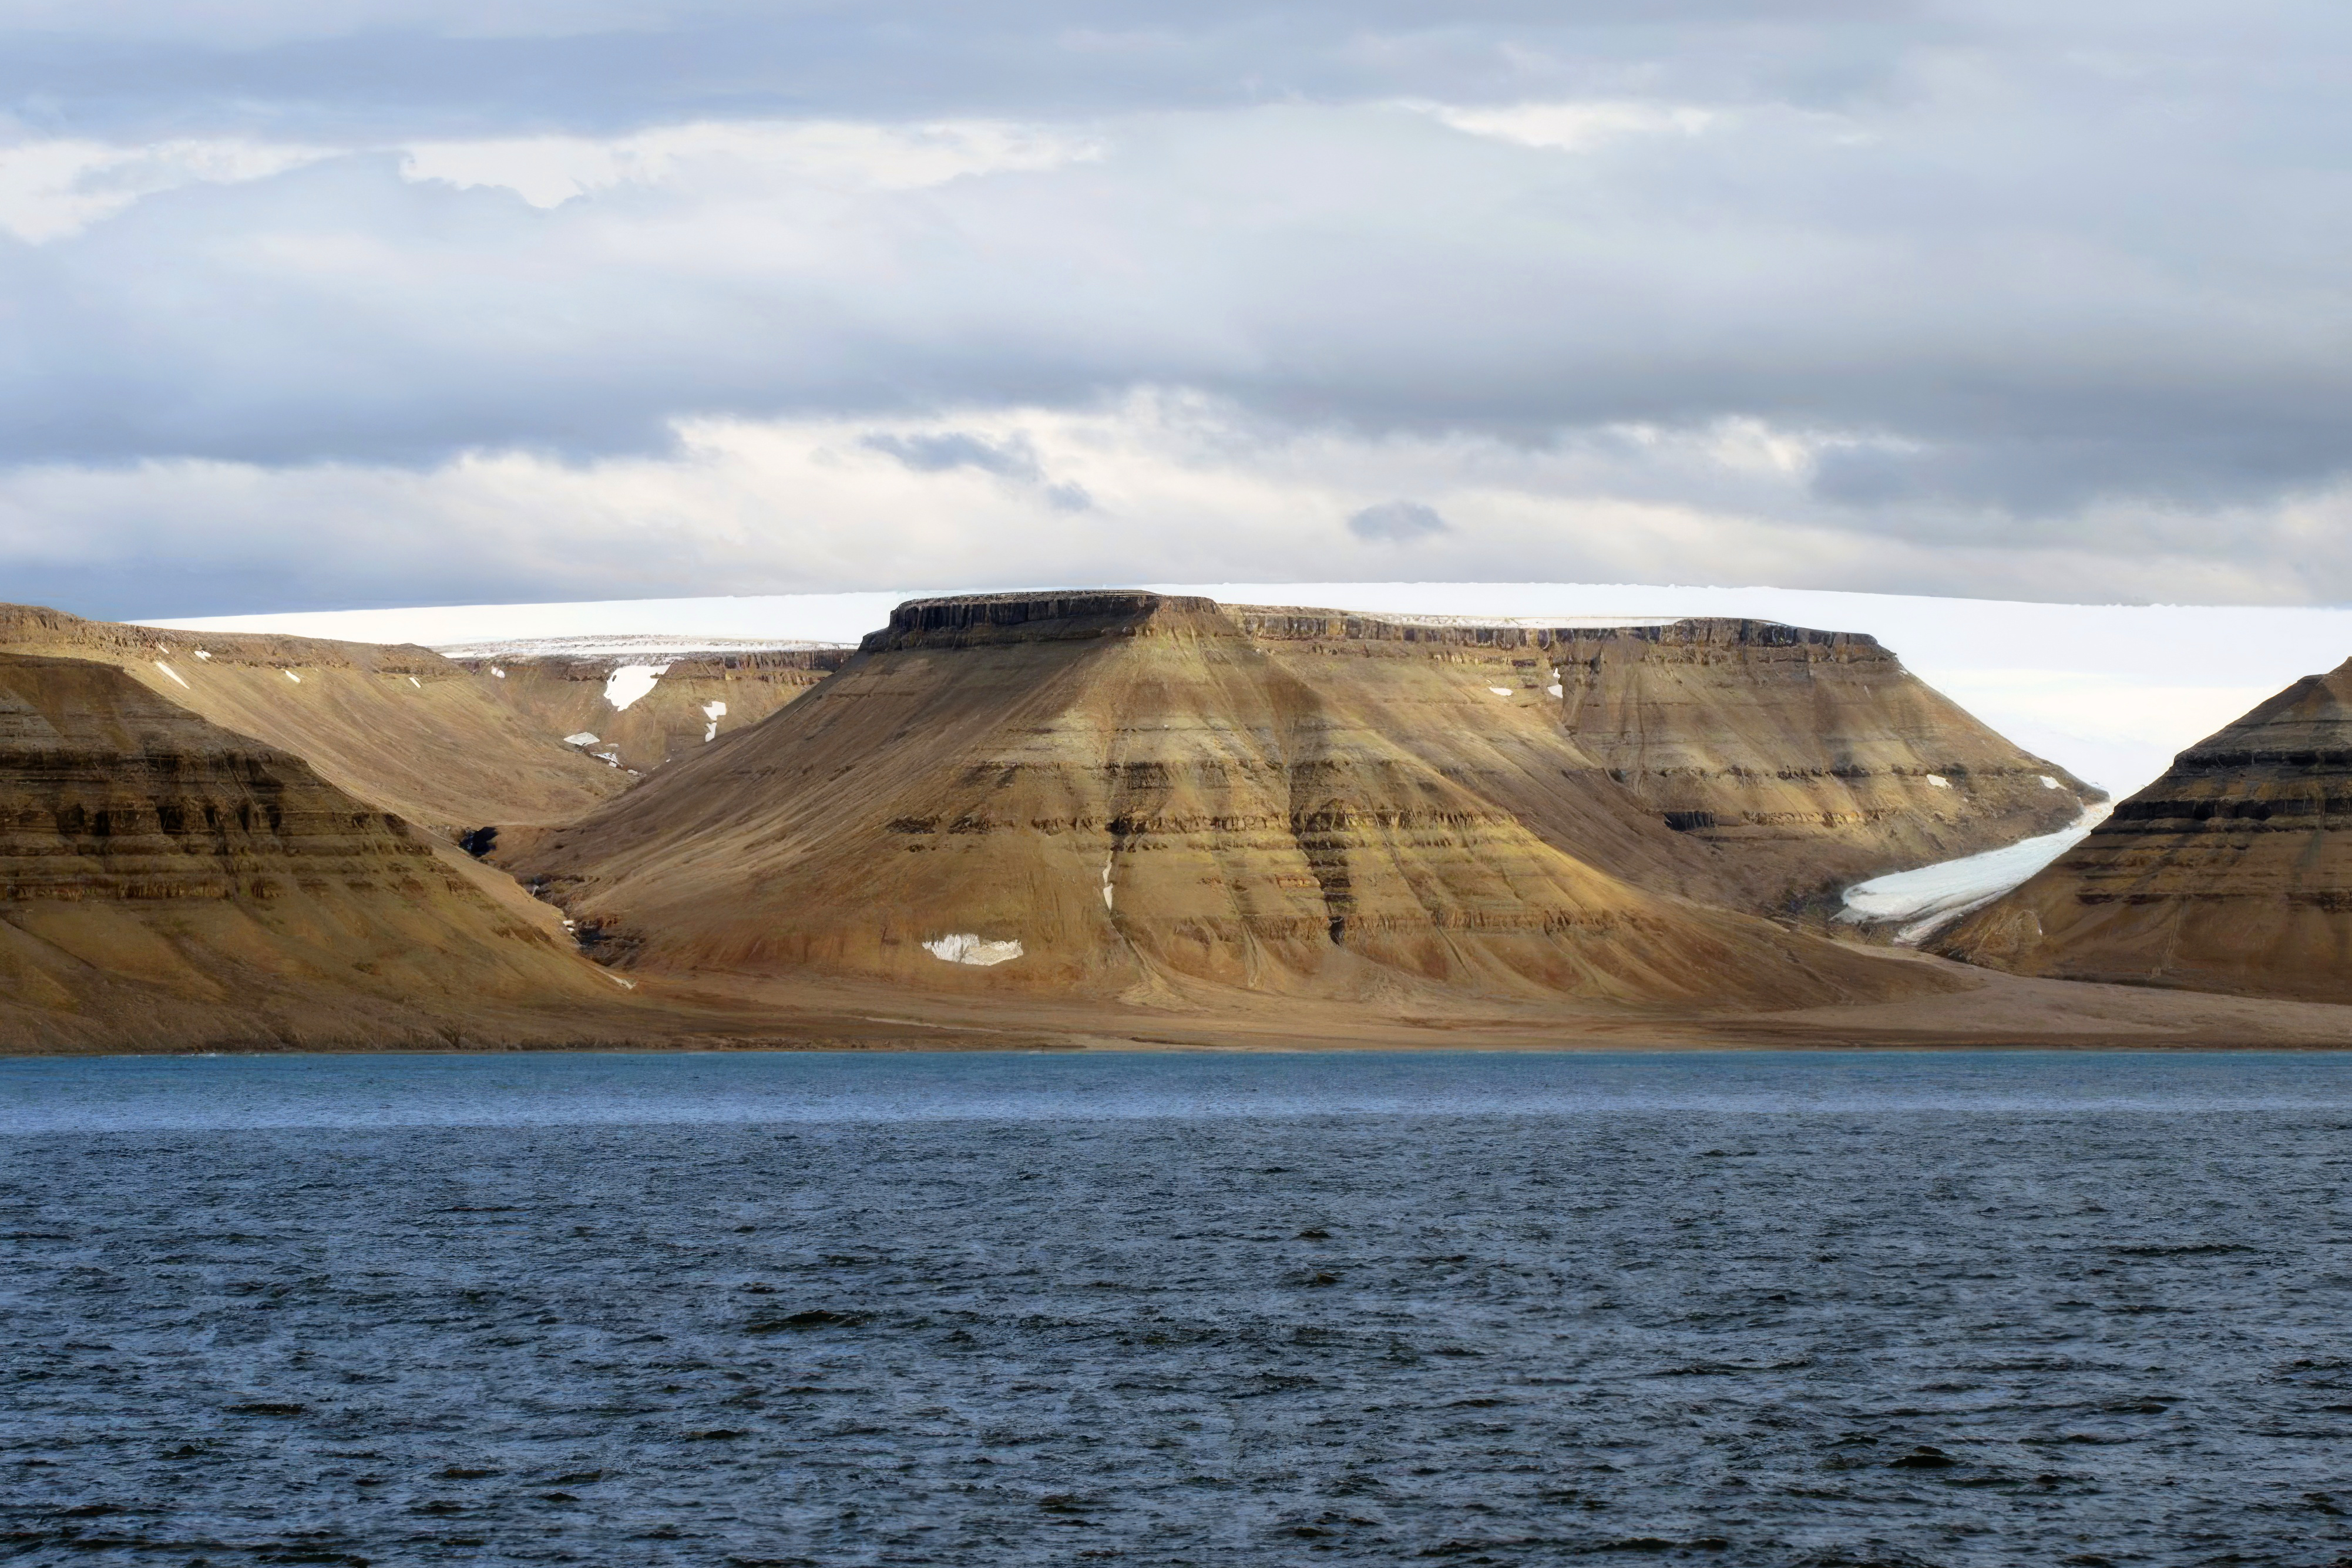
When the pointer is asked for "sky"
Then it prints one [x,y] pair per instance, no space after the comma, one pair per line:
[351,303]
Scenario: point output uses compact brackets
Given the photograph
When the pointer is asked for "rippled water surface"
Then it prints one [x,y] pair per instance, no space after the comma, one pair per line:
[1026,1310]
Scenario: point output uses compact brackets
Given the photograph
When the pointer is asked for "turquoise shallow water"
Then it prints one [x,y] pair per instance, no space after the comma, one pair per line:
[1751,1308]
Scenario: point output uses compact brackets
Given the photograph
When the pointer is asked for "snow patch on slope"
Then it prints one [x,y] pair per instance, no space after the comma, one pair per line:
[964,947]
[631,682]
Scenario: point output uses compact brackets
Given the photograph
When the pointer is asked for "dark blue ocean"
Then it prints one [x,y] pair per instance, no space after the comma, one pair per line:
[899,1310]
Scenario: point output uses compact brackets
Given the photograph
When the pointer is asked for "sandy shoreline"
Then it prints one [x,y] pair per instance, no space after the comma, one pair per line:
[1989,1011]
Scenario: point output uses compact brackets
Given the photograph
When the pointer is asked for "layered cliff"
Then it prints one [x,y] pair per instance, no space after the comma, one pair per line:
[165,882]
[1119,793]
[2232,872]
[638,709]
[399,727]
[1789,762]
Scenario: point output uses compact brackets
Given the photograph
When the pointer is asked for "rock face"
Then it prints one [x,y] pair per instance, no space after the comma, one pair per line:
[1813,758]
[2232,872]
[399,727]
[1789,762]
[1124,794]
[164,882]
[647,708]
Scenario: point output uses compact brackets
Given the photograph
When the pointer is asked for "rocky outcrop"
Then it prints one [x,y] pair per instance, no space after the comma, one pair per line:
[399,727]
[164,882]
[1790,762]
[637,710]
[2232,872]
[1121,793]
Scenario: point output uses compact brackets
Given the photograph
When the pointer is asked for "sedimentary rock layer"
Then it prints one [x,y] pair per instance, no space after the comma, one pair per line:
[1121,793]
[639,711]
[165,880]
[399,727]
[1796,761]
[2232,872]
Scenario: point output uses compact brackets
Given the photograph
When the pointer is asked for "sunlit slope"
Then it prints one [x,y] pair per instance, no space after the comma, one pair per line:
[2232,872]
[164,882]
[1786,763]
[646,710]
[399,727]
[1140,796]
[1812,759]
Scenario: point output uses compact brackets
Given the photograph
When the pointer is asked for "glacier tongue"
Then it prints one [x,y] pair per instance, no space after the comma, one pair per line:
[1934,895]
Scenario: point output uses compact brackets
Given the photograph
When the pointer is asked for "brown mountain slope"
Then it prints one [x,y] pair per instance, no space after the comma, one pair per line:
[401,727]
[1117,793]
[1789,762]
[164,882]
[2232,872]
[695,698]
[1813,758]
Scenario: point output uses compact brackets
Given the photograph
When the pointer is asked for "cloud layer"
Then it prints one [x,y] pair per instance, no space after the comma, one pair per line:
[328,304]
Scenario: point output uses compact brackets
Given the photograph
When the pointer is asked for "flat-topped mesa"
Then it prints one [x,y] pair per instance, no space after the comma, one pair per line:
[1803,760]
[165,880]
[2232,872]
[1127,794]
[974,619]
[401,727]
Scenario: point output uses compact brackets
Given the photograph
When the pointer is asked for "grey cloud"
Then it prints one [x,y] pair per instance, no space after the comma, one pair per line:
[2022,269]
[1365,268]
[410,67]
[1015,458]
[1394,522]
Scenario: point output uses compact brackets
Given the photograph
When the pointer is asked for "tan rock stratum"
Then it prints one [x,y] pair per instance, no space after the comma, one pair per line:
[1090,819]
[401,727]
[1789,763]
[1121,794]
[166,883]
[2232,872]
[697,697]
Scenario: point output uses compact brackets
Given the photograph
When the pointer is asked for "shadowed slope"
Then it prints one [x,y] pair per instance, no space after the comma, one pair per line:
[165,882]
[399,727]
[2232,872]
[1138,796]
